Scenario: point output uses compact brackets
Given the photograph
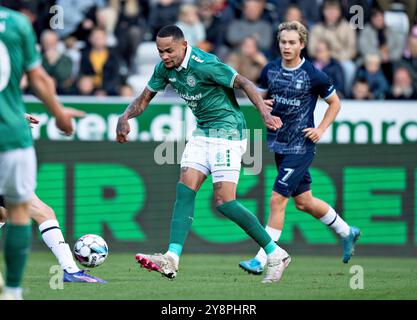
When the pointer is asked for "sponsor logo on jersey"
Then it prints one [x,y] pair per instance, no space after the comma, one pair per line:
[191,81]
[290,102]
[172,79]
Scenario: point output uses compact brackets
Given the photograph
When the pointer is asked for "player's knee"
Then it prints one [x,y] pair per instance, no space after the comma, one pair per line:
[220,199]
[303,205]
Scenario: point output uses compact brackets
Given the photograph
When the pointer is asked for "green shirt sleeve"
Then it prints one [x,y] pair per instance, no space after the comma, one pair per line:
[222,74]
[158,81]
[31,54]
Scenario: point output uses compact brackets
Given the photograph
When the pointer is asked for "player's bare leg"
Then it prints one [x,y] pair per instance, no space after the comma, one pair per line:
[167,264]
[52,235]
[326,214]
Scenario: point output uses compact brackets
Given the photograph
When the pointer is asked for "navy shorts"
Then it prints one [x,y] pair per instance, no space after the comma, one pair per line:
[293,176]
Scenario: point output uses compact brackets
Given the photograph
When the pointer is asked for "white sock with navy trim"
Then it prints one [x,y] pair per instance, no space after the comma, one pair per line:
[334,221]
[53,238]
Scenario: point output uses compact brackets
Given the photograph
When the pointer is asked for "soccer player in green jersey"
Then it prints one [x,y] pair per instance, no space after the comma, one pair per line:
[216,147]
[18,54]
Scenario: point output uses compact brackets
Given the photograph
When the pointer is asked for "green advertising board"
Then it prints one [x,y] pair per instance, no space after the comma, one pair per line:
[170,119]
[120,192]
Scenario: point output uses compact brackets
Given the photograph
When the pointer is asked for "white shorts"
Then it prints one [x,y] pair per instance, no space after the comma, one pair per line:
[18,175]
[220,157]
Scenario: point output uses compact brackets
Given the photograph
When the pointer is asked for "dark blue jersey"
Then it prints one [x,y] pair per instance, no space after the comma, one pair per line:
[295,92]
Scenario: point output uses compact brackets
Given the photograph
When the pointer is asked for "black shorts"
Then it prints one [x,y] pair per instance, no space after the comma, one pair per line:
[293,176]
[2,204]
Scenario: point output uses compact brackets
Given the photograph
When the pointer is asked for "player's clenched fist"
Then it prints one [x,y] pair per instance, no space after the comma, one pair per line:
[122,129]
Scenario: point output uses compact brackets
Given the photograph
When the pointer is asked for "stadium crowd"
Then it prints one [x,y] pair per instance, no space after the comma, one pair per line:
[106,47]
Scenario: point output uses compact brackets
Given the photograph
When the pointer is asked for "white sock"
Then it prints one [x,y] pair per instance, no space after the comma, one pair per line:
[16,293]
[334,221]
[53,238]
[2,224]
[274,234]
[174,256]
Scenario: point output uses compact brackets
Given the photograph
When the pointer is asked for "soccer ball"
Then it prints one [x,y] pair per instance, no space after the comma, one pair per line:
[91,250]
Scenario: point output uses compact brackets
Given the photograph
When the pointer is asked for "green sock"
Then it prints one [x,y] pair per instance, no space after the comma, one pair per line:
[16,251]
[248,222]
[182,217]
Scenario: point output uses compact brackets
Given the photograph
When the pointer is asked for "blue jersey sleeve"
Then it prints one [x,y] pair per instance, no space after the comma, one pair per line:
[324,85]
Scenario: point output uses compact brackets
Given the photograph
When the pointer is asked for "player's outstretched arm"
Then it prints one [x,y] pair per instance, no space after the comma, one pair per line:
[271,122]
[134,109]
[315,134]
[44,88]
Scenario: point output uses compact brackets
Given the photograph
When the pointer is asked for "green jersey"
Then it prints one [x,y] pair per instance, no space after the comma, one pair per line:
[18,54]
[206,84]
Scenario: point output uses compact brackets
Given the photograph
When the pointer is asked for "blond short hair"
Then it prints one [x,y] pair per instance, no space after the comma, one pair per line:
[296,26]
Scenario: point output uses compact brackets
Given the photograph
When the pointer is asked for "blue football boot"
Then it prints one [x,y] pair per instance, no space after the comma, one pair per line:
[253,266]
[349,243]
[81,276]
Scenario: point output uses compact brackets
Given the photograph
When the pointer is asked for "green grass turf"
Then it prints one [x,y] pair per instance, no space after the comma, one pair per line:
[217,277]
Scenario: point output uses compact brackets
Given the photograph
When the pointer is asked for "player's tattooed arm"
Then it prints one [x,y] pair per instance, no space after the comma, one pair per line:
[256,98]
[134,109]
[137,106]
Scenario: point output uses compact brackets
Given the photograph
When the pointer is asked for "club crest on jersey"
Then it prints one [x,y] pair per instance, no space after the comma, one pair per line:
[191,81]
[299,84]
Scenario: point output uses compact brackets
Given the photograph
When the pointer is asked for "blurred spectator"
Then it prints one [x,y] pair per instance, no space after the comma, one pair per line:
[162,13]
[410,7]
[215,16]
[251,25]
[372,72]
[377,38]
[36,11]
[324,62]
[402,87]
[79,17]
[309,9]
[126,91]
[190,24]
[248,60]
[85,86]
[73,52]
[106,19]
[56,64]
[294,13]
[361,90]
[410,53]
[101,62]
[130,28]
[335,29]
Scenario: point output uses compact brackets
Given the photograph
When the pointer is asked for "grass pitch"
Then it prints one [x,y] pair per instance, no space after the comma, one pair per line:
[217,277]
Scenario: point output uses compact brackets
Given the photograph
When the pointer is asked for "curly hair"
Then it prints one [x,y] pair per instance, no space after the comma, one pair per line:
[296,26]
